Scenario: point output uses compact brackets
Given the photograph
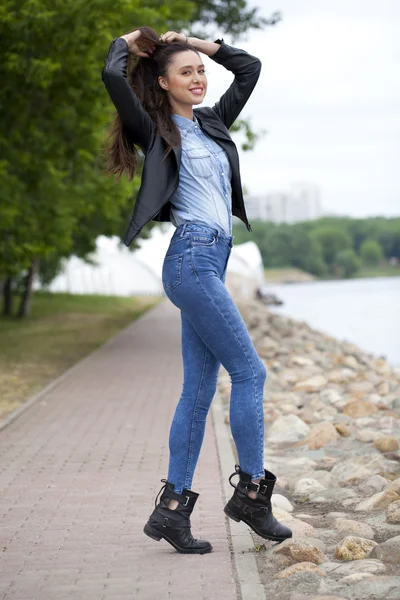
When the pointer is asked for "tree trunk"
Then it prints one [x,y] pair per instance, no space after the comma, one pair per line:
[7,297]
[26,300]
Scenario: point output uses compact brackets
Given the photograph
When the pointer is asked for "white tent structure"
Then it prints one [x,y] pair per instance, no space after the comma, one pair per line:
[117,271]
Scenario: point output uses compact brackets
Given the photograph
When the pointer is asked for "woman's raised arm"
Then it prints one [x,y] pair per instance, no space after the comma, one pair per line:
[244,66]
[134,118]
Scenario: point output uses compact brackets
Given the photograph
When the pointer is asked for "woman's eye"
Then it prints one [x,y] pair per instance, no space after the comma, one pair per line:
[188,72]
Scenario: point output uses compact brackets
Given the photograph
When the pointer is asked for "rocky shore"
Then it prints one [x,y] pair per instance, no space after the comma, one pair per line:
[332,422]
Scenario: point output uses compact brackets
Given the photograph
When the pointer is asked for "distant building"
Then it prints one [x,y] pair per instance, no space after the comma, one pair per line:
[301,203]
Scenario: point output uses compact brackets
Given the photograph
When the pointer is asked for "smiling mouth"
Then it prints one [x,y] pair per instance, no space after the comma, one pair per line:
[197,91]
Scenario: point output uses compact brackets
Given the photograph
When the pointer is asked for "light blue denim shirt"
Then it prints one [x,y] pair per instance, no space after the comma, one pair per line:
[204,193]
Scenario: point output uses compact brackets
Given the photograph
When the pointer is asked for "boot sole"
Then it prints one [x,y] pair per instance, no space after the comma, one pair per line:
[266,537]
[157,535]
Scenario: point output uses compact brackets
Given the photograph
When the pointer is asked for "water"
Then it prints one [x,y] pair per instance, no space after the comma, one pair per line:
[363,311]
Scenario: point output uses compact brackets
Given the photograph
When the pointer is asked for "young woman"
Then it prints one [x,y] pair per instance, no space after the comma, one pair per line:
[191,178]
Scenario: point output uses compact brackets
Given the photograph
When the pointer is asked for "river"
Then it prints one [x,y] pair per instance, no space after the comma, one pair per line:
[363,311]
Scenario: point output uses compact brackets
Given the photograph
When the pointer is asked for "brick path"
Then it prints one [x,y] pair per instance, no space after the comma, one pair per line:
[80,469]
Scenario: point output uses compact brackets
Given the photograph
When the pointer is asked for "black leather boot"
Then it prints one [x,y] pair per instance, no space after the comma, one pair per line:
[257,513]
[174,525]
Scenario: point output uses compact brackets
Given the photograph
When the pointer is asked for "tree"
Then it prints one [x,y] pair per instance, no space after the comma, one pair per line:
[55,199]
[346,263]
[332,240]
[371,252]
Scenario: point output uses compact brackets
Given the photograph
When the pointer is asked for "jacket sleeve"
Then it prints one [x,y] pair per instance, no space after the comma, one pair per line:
[134,118]
[246,69]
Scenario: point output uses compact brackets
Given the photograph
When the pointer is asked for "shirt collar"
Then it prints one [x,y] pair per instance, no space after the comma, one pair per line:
[185,123]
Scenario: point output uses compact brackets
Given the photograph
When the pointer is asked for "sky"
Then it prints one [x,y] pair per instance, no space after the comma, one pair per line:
[329,99]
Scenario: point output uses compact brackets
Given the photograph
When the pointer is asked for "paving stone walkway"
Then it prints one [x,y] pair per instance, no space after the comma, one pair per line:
[79,471]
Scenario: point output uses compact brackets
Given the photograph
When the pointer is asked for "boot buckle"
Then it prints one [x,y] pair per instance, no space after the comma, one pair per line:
[186,501]
[254,487]
[265,489]
[165,522]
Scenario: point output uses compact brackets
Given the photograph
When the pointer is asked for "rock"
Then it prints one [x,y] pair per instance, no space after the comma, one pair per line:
[367,565]
[389,422]
[350,361]
[282,483]
[359,408]
[386,443]
[303,461]
[323,477]
[341,375]
[326,463]
[280,501]
[301,550]
[378,588]
[366,435]
[383,388]
[360,467]
[393,512]
[388,551]
[332,396]
[372,485]
[267,347]
[321,435]
[381,366]
[337,515]
[302,361]
[302,567]
[354,548]
[298,527]
[343,429]
[312,384]
[337,494]
[394,485]
[362,530]
[287,429]
[356,577]
[297,596]
[379,500]
[360,387]
[302,529]
[304,487]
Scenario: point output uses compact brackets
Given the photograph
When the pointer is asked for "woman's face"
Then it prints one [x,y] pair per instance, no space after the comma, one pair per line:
[186,81]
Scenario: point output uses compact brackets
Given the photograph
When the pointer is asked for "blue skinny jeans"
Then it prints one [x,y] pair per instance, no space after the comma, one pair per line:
[213,333]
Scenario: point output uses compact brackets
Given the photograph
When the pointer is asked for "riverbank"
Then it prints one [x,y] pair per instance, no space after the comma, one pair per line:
[332,420]
[62,329]
[294,275]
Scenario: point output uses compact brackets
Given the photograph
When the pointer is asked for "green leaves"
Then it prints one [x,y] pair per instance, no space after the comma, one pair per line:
[327,247]
[54,196]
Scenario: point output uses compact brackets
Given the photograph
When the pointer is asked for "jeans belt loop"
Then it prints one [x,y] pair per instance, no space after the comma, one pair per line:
[184,229]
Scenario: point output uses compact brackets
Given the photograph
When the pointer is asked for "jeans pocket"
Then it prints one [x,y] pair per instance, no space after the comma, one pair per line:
[172,271]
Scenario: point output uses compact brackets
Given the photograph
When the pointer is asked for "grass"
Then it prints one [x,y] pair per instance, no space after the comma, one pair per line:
[379,271]
[62,329]
[282,274]
[292,274]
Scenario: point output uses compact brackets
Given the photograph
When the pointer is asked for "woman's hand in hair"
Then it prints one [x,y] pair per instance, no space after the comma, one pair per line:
[135,46]
[173,36]
[208,48]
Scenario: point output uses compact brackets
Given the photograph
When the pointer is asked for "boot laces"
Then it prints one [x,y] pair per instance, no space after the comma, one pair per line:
[165,481]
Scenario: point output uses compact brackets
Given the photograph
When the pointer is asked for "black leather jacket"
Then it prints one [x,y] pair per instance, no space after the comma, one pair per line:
[160,177]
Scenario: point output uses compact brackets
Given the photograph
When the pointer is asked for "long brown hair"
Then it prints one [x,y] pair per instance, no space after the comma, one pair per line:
[143,76]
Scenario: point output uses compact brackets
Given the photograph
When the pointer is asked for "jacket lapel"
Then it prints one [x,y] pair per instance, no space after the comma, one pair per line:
[178,153]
